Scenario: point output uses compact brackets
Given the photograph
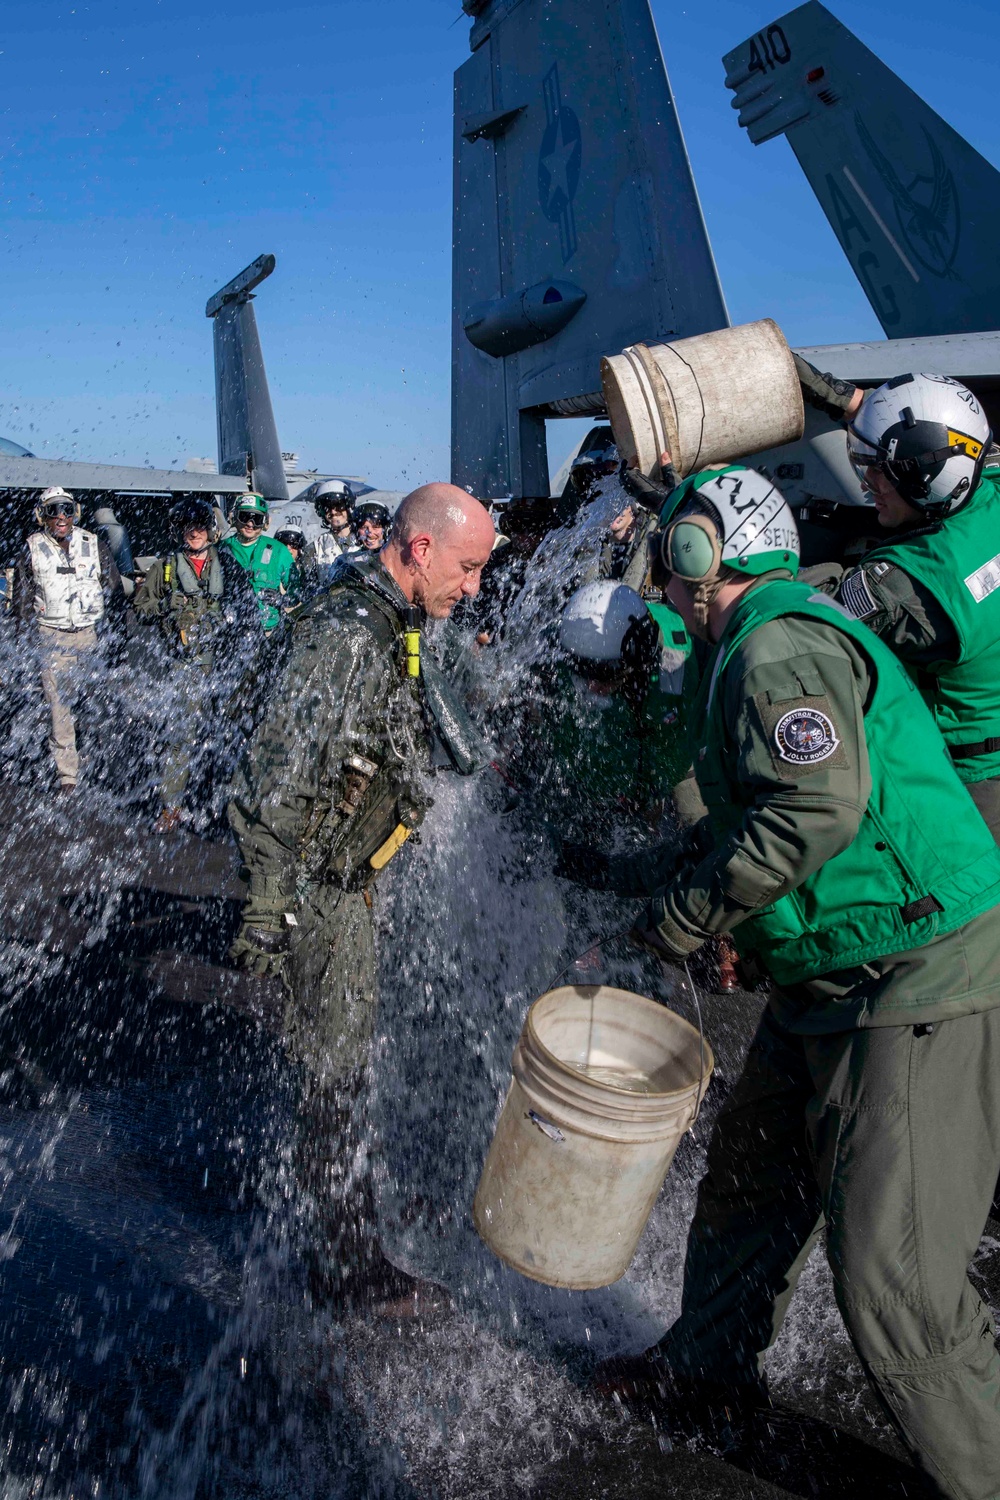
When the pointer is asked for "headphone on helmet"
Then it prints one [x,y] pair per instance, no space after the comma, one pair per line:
[691,548]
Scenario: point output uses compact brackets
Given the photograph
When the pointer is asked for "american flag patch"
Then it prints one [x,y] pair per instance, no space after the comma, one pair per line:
[856,596]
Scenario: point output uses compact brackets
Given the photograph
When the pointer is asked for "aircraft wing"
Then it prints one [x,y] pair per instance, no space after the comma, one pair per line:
[107,479]
[911,202]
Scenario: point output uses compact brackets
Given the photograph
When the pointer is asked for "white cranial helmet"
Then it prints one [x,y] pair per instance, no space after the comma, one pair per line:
[927,434]
[597,619]
[50,499]
[733,518]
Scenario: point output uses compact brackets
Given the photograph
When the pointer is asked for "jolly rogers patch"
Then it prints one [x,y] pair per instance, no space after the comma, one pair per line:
[804,736]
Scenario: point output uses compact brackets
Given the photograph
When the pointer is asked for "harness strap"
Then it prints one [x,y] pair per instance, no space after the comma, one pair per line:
[982,747]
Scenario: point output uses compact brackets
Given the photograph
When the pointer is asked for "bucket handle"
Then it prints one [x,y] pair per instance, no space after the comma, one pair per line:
[614,937]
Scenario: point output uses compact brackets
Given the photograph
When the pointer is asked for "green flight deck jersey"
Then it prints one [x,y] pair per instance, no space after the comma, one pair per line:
[272,570]
[843,835]
[933,592]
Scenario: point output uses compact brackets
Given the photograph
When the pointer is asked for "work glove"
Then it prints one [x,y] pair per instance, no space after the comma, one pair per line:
[658,933]
[261,951]
[651,494]
[825,577]
[584,866]
[824,392]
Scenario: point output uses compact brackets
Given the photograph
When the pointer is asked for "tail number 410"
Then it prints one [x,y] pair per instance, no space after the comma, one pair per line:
[768,49]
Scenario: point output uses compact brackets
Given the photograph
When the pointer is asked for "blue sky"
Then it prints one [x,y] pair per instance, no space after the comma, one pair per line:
[151,149]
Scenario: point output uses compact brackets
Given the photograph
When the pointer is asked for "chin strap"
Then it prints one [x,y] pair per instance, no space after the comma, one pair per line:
[703,596]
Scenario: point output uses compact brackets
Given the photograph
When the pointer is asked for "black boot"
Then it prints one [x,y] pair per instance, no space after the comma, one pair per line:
[716,1415]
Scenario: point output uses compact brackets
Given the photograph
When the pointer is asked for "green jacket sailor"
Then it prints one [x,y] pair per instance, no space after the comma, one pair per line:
[850,864]
[922,446]
[269,563]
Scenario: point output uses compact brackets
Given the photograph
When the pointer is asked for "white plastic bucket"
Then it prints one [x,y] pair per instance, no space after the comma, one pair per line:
[577,1160]
[712,399]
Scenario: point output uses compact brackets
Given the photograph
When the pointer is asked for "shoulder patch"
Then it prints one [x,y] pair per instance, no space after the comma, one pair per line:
[984,580]
[803,736]
[857,597]
[800,736]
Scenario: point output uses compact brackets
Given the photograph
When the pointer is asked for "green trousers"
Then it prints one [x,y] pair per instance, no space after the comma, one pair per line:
[330,1013]
[986,796]
[890,1138]
[329,1022]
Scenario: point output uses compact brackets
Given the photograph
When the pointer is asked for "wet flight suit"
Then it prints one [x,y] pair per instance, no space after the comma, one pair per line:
[329,788]
[326,781]
[849,863]
[933,594]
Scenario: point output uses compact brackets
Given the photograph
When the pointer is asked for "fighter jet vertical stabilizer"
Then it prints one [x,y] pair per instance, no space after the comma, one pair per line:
[248,437]
[577,226]
[912,204]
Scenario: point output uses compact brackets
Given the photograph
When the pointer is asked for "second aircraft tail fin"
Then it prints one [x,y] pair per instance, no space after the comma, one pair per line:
[914,206]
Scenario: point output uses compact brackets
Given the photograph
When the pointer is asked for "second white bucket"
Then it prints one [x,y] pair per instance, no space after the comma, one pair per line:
[711,399]
[605,1084]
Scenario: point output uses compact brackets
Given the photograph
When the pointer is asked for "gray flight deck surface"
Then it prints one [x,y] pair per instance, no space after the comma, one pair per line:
[154,1333]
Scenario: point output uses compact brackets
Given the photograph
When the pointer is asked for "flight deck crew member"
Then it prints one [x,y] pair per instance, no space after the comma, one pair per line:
[294,540]
[334,504]
[66,583]
[204,605]
[850,864]
[330,787]
[268,562]
[371,523]
[605,740]
[922,447]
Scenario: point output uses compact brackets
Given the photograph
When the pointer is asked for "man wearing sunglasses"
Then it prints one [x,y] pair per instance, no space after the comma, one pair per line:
[271,566]
[66,589]
[922,447]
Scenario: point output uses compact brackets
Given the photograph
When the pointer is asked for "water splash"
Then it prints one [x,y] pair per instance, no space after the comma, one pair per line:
[158,1336]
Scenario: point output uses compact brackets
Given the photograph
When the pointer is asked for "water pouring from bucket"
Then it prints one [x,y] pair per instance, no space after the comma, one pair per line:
[705,400]
[605,1083]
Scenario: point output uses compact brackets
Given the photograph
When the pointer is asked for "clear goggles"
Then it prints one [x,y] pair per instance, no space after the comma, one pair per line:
[864,457]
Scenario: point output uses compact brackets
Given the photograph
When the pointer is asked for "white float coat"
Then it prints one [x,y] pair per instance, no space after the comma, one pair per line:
[68,593]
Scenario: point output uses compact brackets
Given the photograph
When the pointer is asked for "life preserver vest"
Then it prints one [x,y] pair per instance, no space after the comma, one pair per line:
[327,548]
[68,593]
[959,562]
[923,862]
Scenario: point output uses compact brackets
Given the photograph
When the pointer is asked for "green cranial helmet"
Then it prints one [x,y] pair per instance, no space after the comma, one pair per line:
[730,519]
[251,504]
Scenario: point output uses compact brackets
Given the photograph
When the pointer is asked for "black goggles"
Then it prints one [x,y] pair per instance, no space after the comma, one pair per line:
[250,518]
[53,508]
